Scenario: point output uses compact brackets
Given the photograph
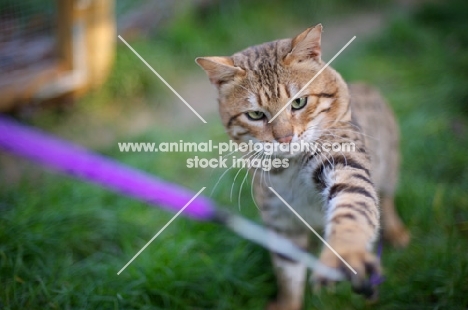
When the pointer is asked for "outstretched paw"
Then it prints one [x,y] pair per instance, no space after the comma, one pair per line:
[365,268]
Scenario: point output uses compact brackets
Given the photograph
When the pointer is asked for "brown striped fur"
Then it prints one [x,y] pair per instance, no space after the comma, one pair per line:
[339,191]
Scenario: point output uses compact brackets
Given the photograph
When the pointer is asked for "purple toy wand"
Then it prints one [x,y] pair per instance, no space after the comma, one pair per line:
[83,164]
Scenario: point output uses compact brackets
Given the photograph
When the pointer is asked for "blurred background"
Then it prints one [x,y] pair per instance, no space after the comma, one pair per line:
[62,69]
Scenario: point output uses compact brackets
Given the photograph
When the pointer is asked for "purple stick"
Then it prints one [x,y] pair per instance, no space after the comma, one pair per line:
[77,161]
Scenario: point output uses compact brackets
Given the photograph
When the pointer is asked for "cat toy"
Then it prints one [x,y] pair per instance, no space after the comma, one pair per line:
[79,162]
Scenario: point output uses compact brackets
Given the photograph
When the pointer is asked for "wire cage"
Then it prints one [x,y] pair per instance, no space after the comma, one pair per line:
[49,48]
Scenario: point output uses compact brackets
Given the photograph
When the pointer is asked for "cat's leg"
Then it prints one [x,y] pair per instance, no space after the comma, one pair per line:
[291,278]
[290,275]
[352,217]
[393,228]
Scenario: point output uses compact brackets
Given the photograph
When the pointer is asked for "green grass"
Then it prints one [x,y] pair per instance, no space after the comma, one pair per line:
[63,241]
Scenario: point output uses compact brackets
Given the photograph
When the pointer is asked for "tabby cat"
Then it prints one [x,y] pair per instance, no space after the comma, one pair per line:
[337,191]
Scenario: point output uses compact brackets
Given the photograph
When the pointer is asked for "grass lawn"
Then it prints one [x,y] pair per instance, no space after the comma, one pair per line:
[63,241]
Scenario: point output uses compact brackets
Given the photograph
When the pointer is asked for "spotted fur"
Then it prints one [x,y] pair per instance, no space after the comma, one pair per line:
[335,190]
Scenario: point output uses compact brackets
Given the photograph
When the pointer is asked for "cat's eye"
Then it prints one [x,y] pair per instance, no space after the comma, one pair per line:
[255,115]
[299,103]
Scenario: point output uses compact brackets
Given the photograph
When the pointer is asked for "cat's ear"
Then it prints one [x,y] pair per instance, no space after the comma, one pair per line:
[219,69]
[306,45]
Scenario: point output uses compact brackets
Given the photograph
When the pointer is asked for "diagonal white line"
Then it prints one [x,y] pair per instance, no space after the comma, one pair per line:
[163,80]
[313,230]
[162,229]
[311,80]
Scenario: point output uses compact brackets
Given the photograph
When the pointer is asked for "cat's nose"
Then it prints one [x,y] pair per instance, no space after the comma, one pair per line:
[286,139]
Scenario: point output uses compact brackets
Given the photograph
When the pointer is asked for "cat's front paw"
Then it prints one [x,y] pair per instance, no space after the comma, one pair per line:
[363,262]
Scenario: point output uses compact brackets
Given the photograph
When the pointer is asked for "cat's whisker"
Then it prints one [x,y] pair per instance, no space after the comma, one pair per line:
[342,154]
[326,157]
[339,137]
[262,173]
[311,126]
[222,175]
[343,139]
[230,153]
[243,181]
[344,157]
[327,131]
[235,177]
[320,157]
[252,186]
[354,131]
[240,189]
[268,172]
[233,182]
[358,130]
[328,152]
[211,172]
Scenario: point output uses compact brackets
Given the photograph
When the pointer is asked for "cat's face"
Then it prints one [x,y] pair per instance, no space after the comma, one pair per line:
[255,84]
